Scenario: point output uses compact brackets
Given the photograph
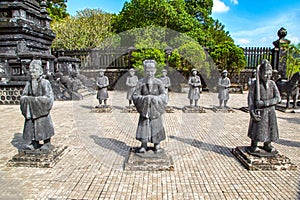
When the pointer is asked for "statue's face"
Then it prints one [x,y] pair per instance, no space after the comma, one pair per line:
[224,75]
[150,70]
[131,73]
[101,73]
[266,74]
[164,73]
[194,72]
[35,71]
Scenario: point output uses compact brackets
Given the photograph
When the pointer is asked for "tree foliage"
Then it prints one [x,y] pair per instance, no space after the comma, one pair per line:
[57,9]
[228,56]
[293,60]
[191,17]
[87,29]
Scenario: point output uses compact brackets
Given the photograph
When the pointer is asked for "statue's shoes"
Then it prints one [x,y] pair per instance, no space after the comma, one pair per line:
[29,147]
[47,146]
[269,148]
[159,150]
[142,150]
[254,150]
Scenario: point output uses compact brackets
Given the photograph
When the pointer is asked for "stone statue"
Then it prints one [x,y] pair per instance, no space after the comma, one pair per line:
[252,79]
[102,84]
[262,97]
[165,79]
[36,103]
[223,85]
[131,83]
[150,99]
[194,92]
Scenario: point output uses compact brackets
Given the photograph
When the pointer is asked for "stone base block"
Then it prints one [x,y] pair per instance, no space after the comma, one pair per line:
[37,158]
[102,109]
[193,109]
[170,109]
[149,161]
[129,109]
[264,161]
[223,109]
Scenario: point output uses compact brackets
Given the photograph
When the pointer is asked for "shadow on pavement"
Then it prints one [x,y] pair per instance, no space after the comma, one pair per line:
[288,143]
[87,107]
[117,146]
[205,146]
[18,141]
[293,120]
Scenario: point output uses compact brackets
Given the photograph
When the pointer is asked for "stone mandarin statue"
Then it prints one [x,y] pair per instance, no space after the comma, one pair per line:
[131,83]
[194,92]
[102,84]
[262,97]
[166,80]
[223,85]
[150,99]
[35,104]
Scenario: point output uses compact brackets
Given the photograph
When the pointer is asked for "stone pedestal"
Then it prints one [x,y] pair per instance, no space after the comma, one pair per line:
[222,109]
[149,161]
[37,158]
[170,109]
[129,109]
[263,160]
[193,109]
[103,109]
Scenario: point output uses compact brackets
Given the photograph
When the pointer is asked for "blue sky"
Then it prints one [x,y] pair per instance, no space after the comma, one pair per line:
[249,22]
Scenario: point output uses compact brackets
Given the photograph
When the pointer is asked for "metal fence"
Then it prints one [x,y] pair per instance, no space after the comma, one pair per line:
[254,55]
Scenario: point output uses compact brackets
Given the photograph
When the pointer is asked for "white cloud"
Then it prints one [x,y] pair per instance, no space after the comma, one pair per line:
[219,6]
[235,2]
[242,41]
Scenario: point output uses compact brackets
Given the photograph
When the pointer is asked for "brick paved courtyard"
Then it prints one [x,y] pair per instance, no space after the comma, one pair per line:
[98,144]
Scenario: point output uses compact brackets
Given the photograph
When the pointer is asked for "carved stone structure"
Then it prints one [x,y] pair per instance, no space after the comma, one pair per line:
[279,52]
[25,34]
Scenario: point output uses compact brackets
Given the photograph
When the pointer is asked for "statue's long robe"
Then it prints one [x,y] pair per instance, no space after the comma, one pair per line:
[195,83]
[102,83]
[131,83]
[150,127]
[265,130]
[223,85]
[35,105]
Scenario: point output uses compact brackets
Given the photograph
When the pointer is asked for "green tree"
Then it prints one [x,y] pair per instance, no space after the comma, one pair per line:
[200,9]
[163,13]
[57,9]
[228,56]
[293,60]
[87,29]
